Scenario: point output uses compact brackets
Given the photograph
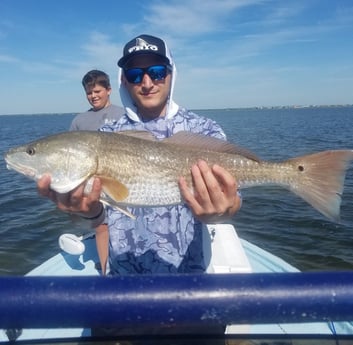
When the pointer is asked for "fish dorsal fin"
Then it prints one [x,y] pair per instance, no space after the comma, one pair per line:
[113,188]
[145,135]
[202,142]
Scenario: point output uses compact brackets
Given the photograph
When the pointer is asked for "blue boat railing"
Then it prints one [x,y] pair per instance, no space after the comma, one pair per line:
[208,299]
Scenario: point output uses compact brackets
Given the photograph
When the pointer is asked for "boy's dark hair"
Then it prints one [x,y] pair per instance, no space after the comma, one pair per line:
[94,77]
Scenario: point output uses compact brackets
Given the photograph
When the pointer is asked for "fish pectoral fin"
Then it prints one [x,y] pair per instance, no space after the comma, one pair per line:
[116,190]
[113,192]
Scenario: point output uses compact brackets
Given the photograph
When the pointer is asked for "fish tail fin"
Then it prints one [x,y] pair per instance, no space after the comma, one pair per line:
[321,180]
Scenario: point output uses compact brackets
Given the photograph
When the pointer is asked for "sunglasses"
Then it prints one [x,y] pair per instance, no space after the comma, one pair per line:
[156,72]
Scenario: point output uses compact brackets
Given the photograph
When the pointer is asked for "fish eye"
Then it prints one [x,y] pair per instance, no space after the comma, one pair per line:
[31,151]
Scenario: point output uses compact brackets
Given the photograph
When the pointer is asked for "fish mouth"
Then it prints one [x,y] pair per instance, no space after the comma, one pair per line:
[25,170]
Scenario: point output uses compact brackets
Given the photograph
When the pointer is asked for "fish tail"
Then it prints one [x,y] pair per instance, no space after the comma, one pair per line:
[321,180]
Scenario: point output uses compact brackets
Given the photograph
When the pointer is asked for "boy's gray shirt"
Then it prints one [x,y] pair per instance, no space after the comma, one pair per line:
[93,120]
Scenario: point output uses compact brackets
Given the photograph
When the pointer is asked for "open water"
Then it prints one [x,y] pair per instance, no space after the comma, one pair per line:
[271,217]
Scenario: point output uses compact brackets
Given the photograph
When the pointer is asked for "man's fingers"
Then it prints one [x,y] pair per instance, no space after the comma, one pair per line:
[214,190]
[213,197]
[96,189]
[225,179]
[185,190]
[43,185]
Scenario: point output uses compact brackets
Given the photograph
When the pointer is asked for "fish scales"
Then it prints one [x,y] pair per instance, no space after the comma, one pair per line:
[154,163]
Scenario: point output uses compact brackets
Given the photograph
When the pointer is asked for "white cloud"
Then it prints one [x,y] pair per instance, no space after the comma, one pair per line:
[194,17]
[8,58]
[99,47]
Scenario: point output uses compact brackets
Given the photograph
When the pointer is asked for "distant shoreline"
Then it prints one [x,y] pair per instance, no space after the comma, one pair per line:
[285,107]
[226,109]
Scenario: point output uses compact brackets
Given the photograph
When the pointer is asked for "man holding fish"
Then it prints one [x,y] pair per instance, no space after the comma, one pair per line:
[164,173]
[163,239]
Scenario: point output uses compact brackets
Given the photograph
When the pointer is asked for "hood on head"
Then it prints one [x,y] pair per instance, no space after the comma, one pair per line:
[140,45]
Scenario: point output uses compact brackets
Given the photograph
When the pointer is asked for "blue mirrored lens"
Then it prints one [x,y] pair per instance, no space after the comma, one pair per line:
[135,75]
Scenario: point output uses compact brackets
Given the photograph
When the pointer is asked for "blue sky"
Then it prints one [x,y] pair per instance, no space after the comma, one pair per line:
[229,53]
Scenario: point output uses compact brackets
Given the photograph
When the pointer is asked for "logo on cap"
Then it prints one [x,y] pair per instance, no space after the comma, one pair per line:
[142,45]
